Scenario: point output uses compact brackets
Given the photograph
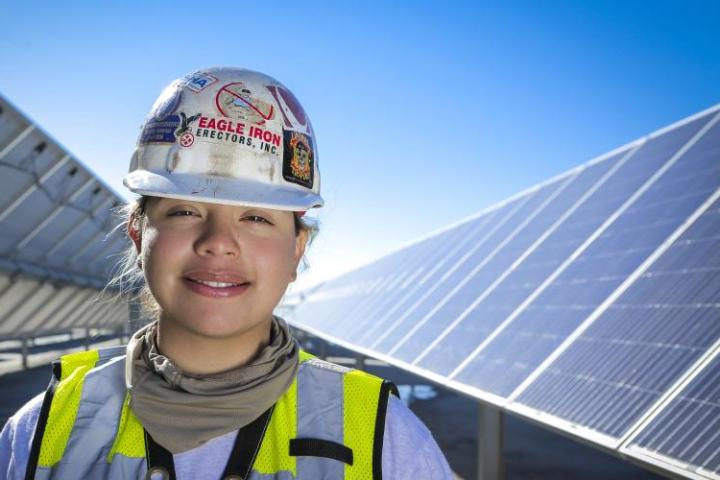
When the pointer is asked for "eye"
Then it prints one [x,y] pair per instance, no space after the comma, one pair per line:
[258,219]
[181,213]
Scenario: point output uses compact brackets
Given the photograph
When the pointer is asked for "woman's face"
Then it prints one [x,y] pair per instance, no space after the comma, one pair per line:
[217,270]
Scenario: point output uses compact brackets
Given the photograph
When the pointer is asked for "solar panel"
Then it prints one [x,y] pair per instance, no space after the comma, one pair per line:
[344,298]
[686,433]
[646,339]
[612,233]
[394,324]
[351,291]
[477,288]
[636,346]
[57,232]
[364,323]
[582,303]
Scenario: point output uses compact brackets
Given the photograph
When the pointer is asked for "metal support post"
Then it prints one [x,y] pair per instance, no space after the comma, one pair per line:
[299,335]
[25,352]
[360,361]
[322,348]
[87,339]
[490,442]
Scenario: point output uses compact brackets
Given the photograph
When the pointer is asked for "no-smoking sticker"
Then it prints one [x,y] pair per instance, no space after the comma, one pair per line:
[235,100]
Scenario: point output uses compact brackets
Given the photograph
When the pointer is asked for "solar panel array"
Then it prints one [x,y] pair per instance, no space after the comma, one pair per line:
[590,302]
[57,243]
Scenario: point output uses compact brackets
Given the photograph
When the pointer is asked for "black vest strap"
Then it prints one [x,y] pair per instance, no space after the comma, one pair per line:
[42,422]
[386,389]
[247,444]
[246,448]
[160,463]
[317,447]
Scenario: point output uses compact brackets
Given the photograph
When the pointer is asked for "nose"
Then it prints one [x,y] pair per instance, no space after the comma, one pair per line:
[218,238]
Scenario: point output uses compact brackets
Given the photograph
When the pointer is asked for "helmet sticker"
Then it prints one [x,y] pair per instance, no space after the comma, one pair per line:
[186,139]
[198,81]
[298,158]
[160,126]
[293,114]
[159,131]
[235,100]
[168,129]
[185,123]
[224,131]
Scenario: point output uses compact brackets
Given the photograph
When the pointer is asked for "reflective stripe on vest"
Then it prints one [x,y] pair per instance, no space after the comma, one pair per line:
[328,411]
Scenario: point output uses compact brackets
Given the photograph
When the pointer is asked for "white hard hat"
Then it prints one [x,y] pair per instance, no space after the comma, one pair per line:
[228,135]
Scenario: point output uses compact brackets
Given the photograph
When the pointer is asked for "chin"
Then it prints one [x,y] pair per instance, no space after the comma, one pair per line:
[219,326]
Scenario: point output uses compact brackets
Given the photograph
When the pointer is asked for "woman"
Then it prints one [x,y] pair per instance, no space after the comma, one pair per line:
[216,387]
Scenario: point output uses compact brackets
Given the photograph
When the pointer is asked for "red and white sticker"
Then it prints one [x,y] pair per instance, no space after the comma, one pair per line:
[236,100]
[294,116]
[187,139]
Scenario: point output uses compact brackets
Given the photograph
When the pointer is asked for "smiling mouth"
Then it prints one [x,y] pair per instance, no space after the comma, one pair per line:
[215,289]
[217,284]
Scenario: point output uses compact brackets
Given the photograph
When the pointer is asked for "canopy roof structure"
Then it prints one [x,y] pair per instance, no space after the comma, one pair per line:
[589,303]
[58,244]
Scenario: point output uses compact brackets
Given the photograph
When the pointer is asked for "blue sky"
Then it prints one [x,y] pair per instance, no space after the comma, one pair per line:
[425,112]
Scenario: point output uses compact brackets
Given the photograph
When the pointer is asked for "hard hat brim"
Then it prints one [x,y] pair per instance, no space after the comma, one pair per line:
[216,189]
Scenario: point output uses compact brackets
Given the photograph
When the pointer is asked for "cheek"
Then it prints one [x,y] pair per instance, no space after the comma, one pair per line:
[161,252]
[275,257]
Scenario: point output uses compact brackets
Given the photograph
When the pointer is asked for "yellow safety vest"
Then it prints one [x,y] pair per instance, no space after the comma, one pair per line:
[329,424]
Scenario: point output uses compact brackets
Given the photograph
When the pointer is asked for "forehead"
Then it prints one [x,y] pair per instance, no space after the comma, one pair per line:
[164,202]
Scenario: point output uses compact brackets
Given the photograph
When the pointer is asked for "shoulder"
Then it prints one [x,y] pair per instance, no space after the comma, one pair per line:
[16,439]
[409,449]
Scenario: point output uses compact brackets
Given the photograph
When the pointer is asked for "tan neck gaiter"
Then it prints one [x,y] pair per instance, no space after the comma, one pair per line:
[182,411]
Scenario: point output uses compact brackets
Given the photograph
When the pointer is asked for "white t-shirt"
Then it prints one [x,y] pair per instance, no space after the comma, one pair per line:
[409,450]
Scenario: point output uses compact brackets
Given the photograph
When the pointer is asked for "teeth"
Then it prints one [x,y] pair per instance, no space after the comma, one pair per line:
[217,284]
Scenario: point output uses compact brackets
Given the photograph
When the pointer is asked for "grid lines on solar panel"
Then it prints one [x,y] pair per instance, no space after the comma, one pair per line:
[337,307]
[380,310]
[364,315]
[588,275]
[688,428]
[335,297]
[19,315]
[499,235]
[636,348]
[507,259]
[542,256]
[54,214]
[393,320]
